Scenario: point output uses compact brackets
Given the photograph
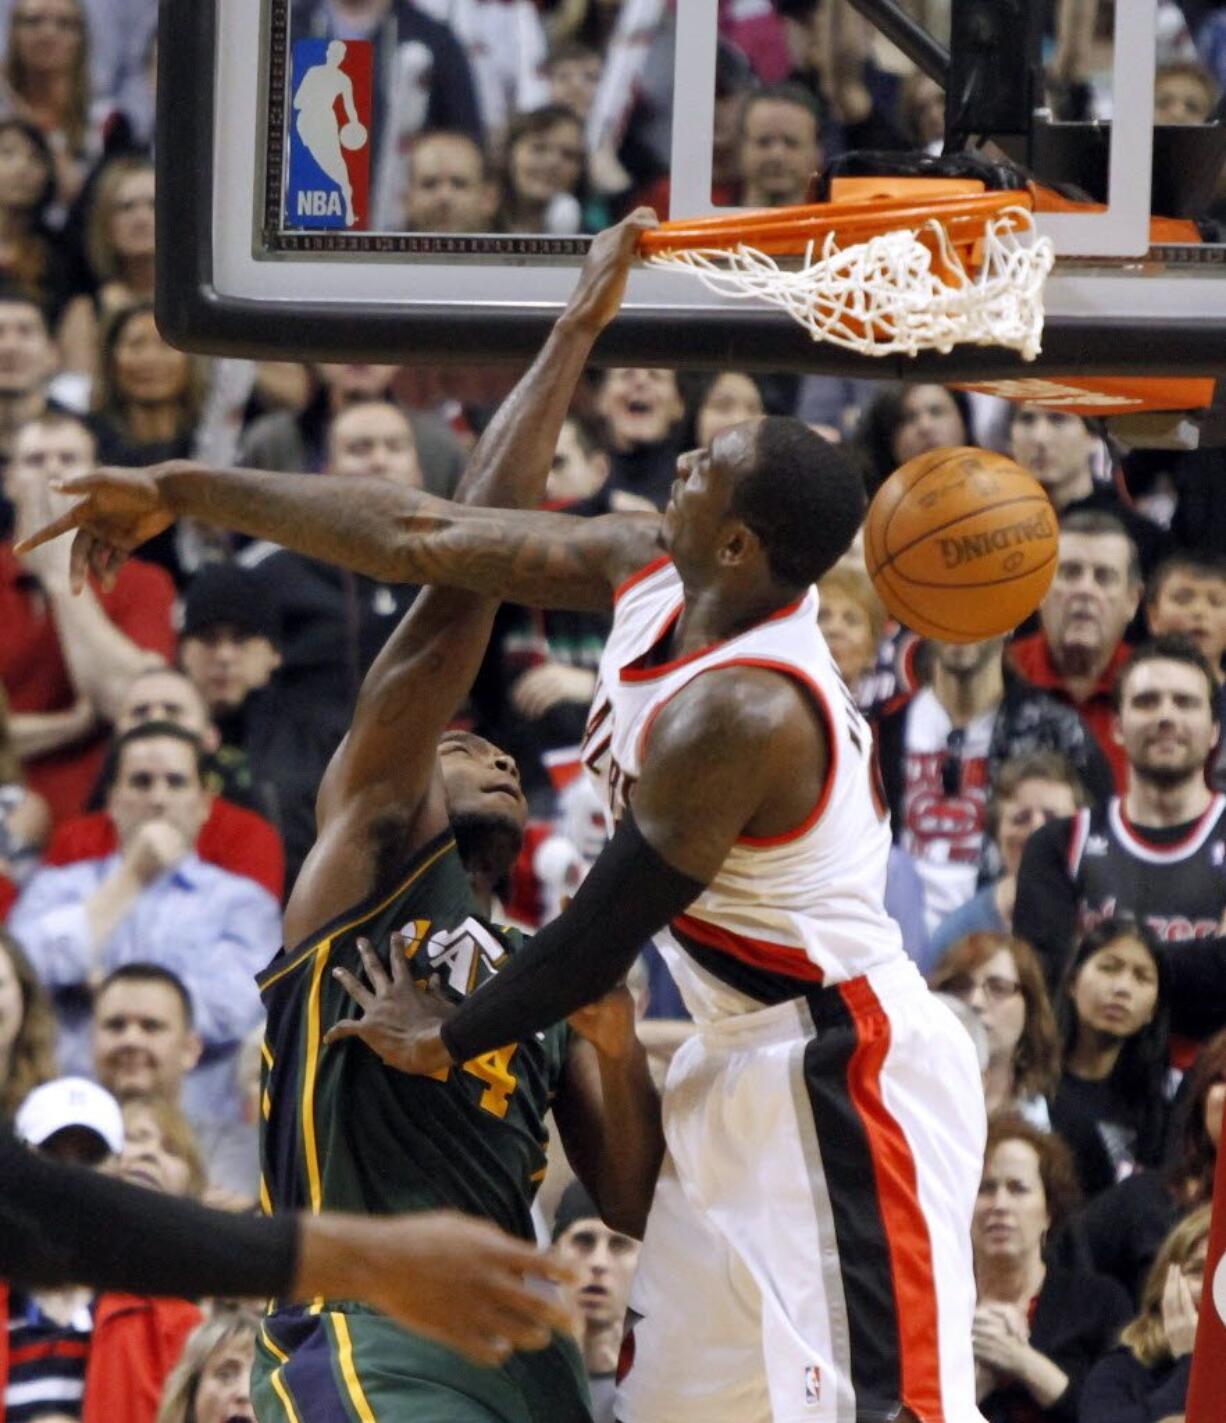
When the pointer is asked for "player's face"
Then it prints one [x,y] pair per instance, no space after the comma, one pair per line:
[1011,1212]
[1054,446]
[732,397]
[1091,600]
[23,174]
[604,1262]
[1195,606]
[142,1043]
[696,516]
[448,191]
[148,1159]
[849,633]
[132,223]
[779,152]
[1166,719]
[147,370]
[374,440]
[639,405]
[27,356]
[1033,804]
[224,1392]
[158,780]
[227,662]
[1115,992]
[480,779]
[930,420]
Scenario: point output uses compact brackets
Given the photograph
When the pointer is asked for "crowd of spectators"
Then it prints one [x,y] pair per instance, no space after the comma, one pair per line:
[1059,867]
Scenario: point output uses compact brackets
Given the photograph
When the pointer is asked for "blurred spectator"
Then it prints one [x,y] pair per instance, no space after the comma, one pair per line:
[119,248]
[422,80]
[724,400]
[67,659]
[625,32]
[155,901]
[642,412]
[901,422]
[603,1261]
[572,71]
[333,624]
[71,1354]
[1123,1228]
[1156,852]
[160,1150]
[1079,651]
[1186,595]
[543,171]
[941,750]
[1001,982]
[1112,1104]
[780,146]
[847,69]
[449,188]
[1146,1377]
[505,44]
[852,620]
[144,1039]
[27,364]
[1038,1327]
[27,1029]
[1059,449]
[30,255]
[1029,790]
[25,819]
[921,112]
[212,1381]
[1185,92]
[1211,44]
[46,80]
[579,470]
[298,440]
[234,836]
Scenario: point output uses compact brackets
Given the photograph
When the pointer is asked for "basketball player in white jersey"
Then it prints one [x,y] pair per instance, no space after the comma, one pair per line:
[807,1256]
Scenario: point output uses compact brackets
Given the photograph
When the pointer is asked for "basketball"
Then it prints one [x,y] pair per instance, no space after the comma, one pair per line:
[353,136]
[961,544]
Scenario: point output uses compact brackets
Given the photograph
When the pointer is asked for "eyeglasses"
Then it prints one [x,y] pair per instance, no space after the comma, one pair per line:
[995,989]
[951,764]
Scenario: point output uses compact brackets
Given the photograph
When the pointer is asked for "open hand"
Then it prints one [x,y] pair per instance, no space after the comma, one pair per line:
[116,511]
[400,1022]
[1178,1312]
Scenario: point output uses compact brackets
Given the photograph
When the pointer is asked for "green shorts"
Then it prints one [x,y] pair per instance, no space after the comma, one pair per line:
[347,1365]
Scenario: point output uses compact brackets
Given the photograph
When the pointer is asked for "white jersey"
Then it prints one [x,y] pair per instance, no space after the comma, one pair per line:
[787,914]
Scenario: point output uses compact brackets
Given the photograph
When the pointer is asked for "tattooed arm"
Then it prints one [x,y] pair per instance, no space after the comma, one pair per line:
[390,532]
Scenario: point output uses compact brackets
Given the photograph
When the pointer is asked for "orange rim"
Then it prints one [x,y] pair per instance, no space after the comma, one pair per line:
[782,231]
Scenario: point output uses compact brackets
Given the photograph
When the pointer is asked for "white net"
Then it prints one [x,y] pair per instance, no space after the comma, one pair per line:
[893,294]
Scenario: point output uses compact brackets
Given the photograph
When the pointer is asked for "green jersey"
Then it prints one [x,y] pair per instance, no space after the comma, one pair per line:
[343,1132]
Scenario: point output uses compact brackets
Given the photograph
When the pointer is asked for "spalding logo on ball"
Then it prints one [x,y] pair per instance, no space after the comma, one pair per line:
[961,544]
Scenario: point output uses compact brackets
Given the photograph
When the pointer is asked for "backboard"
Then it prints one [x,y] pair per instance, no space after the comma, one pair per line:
[262,253]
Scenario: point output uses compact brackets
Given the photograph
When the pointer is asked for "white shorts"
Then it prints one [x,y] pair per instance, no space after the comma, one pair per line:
[807,1256]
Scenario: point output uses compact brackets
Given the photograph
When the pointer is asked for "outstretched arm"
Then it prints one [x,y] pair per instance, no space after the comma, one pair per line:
[387,531]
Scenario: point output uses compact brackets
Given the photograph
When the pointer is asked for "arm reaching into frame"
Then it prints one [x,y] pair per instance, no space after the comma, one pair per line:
[383,530]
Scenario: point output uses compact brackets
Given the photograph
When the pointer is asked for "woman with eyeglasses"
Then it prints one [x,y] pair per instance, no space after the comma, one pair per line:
[999,978]
[1112,1104]
[1147,1376]
[1029,791]
[1038,1327]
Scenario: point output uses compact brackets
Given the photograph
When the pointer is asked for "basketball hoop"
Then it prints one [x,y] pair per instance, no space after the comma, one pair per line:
[888,267]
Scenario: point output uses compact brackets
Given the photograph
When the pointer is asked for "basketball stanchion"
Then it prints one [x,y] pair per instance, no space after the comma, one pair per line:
[1207,1387]
[888,267]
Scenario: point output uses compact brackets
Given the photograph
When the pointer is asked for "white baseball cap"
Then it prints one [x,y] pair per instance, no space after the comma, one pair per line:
[70,1102]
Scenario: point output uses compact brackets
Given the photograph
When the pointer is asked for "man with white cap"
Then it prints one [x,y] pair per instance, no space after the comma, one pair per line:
[72,1120]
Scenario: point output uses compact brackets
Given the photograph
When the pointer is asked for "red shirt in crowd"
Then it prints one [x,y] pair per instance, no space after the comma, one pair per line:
[35,676]
[1032,658]
[231,838]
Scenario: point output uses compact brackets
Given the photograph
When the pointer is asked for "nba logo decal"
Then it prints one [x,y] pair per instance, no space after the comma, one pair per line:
[329,135]
[813,1385]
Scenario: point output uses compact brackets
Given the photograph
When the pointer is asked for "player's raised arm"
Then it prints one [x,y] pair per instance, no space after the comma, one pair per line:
[387,531]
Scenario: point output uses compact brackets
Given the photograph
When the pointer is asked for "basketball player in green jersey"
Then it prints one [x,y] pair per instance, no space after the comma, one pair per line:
[411,835]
